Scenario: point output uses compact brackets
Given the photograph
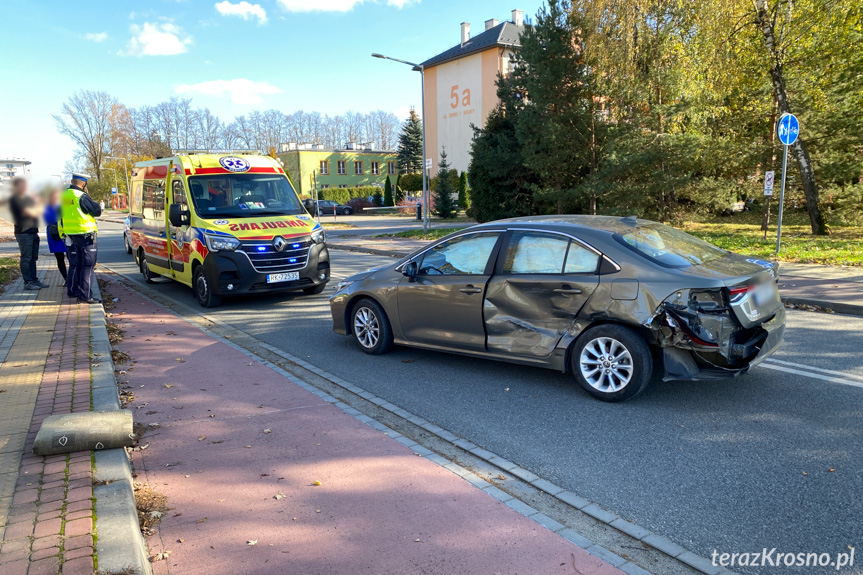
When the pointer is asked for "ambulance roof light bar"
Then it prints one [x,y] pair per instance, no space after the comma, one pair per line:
[223,152]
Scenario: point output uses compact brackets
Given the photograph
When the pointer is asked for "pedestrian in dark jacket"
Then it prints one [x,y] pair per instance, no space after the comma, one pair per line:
[25,211]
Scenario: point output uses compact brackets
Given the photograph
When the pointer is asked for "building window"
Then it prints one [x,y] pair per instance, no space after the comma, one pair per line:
[324,186]
[343,185]
[342,167]
[376,168]
[10,165]
[358,168]
[325,167]
[391,168]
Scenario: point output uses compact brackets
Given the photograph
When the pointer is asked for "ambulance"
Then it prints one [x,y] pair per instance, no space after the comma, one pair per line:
[224,224]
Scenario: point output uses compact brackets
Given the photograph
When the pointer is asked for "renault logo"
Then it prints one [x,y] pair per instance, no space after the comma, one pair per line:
[280,243]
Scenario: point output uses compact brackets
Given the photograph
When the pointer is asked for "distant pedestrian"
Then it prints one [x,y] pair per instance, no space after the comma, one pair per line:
[102,204]
[56,245]
[25,211]
[78,213]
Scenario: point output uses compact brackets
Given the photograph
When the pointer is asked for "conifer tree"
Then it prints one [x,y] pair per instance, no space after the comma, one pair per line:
[410,149]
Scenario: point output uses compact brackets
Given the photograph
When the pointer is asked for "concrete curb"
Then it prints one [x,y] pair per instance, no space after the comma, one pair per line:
[645,536]
[120,546]
[373,251]
[838,307]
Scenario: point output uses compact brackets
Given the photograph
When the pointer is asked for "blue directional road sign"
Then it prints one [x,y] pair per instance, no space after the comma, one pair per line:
[788,129]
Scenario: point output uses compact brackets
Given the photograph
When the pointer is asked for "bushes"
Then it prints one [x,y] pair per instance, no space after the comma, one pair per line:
[359,204]
[344,195]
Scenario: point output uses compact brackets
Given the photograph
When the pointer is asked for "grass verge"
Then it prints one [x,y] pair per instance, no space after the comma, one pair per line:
[9,271]
[432,234]
[742,233]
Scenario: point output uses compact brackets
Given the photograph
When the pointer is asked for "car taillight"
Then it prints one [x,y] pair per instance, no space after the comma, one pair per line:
[738,292]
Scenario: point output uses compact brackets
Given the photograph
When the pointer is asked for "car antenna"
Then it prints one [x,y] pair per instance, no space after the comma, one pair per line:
[629,220]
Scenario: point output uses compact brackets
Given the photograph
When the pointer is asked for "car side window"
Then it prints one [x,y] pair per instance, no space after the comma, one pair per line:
[464,255]
[580,260]
[535,253]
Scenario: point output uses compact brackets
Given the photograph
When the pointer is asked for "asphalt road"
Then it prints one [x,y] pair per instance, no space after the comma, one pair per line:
[773,459]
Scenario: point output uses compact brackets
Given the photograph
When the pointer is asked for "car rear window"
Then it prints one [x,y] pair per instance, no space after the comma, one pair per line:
[668,247]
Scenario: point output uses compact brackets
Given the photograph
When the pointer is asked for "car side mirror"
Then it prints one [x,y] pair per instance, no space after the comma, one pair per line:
[178,216]
[410,271]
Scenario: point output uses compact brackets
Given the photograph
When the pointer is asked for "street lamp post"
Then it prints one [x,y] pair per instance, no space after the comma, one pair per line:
[419,68]
[125,171]
[116,182]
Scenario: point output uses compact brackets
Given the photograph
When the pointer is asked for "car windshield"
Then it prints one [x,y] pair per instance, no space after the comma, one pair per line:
[243,195]
[669,247]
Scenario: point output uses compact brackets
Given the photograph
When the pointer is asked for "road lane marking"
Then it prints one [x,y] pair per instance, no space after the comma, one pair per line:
[816,369]
[829,378]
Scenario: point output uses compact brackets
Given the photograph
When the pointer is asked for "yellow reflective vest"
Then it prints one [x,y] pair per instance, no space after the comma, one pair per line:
[73,221]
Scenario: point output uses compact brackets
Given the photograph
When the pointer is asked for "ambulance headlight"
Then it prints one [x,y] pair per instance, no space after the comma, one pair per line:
[318,236]
[222,243]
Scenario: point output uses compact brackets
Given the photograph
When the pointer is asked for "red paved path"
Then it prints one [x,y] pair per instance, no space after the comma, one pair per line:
[376,496]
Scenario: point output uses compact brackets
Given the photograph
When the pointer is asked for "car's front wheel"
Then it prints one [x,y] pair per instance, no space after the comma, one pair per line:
[149,276]
[371,327]
[612,362]
[203,291]
[128,243]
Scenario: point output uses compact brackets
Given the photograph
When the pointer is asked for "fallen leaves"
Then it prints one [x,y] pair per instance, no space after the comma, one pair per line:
[252,542]
[181,360]
[169,385]
[268,431]
[317,483]
[202,520]
[279,496]
[160,556]
[202,437]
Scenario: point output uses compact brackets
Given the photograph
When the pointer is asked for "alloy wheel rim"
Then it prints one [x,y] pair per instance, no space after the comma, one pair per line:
[606,364]
[202,287]
[366,327]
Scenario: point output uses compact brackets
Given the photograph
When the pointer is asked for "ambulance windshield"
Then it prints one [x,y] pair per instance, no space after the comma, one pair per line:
[243,195]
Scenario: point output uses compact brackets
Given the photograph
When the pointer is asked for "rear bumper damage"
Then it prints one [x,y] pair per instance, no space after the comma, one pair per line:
[713,345]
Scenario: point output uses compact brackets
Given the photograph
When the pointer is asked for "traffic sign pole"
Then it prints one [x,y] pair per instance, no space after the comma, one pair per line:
[781,200]
[788,129]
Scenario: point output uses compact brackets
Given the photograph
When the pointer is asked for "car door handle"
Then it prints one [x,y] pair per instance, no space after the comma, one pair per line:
[470,289]
[568,291]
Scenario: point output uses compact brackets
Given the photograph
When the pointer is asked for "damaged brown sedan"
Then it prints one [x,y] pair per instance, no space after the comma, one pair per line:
[604,298]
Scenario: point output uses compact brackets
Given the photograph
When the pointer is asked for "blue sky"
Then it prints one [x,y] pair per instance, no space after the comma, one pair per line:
[232,56]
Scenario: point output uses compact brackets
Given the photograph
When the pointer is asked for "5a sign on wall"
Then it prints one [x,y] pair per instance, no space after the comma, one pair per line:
[454,95]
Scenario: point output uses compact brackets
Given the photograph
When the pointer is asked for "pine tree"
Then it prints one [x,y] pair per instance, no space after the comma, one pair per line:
[377,198]
[444,206]
[399,193]
[463,200]
[388,194]
[410,150]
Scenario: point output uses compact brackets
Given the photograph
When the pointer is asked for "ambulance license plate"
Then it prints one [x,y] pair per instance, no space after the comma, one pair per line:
[286,277]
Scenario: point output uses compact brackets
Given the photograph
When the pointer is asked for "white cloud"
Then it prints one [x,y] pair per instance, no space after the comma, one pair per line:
[96,36]
[240,90]
[333,5]
[157,39]
[243,9]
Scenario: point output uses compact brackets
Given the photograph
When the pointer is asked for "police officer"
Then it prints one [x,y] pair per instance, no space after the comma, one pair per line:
[77,226]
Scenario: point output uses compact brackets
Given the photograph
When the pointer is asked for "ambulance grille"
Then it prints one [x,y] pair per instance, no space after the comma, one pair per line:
[266,260]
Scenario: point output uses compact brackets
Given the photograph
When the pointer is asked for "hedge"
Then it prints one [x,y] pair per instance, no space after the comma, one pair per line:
[344,195]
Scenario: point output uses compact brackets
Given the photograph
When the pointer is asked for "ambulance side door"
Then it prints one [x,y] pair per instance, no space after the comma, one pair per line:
[179,247]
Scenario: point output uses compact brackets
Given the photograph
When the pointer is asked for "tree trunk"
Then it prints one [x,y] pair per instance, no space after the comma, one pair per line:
[798,149]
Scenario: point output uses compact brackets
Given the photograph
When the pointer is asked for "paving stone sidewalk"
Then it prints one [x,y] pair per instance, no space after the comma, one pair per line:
[46,503]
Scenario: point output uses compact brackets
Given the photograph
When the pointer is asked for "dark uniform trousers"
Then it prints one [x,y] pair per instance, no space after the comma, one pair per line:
[82,260]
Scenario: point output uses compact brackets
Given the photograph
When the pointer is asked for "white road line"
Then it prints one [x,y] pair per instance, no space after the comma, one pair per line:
[849,382]
[810,368]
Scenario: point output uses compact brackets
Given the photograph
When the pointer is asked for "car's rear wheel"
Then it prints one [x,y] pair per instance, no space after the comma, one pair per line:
[203,291]
[371,327]
[612,362]
[347,211]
